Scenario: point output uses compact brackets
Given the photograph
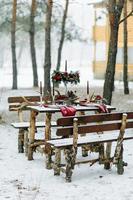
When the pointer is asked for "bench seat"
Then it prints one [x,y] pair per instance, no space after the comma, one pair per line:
[89,139]
[27,124]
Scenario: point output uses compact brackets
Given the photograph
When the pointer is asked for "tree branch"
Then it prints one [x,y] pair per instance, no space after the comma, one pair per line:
[122,20]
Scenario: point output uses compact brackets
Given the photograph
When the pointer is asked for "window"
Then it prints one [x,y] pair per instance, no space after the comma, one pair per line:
[100,51]
[120,55]
[101,17]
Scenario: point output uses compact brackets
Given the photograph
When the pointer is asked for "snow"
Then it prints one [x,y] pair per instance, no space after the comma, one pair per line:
[28,180]
[22,179]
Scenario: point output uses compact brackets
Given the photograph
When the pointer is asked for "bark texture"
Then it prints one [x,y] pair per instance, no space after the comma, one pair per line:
[62,36]
[13,45]
[47,62]
[125,38]
[32,43]
[115,10]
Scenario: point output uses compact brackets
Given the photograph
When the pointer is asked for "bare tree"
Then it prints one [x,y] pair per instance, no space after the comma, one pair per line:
[47,62]
[115,9]
[32,43]
[125,63]
[13,44]
[62,36]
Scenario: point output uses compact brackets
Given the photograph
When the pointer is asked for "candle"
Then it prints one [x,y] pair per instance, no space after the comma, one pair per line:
[40,87]
[87,87]
[66,66]
[41,93]
[53,88]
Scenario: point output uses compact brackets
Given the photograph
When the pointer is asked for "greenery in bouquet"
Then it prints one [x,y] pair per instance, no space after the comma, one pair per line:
[72,77]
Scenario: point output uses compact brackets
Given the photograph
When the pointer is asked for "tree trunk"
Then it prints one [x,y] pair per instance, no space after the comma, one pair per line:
[125,66]
[62,36]
[115,9]
[32,43]
[13,45]
[47,62]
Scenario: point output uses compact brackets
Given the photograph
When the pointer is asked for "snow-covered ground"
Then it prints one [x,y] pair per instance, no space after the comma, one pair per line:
[29,180]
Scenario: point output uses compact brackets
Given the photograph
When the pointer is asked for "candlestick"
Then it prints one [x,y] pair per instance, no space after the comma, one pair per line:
[41,92]
[87,87]
[66,66]
[53,88]
[41,87]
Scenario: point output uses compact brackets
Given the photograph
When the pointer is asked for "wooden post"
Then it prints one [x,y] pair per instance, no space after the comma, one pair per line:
[118,148]
[101,153]
[48,137]
[75,139]
[20,115]
[120,163]
[57,161]
[21,141]
[107,155]
[31,134]
[71,152]
[20,134]
[84,151]
[68,152]
[26,141]
[75,132]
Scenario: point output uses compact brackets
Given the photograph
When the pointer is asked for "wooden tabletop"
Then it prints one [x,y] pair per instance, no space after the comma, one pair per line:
[56,108]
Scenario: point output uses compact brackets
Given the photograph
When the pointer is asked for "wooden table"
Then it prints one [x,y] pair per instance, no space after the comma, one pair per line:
[48,111]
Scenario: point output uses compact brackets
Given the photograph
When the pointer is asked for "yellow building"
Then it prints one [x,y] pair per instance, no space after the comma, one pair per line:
[101,39]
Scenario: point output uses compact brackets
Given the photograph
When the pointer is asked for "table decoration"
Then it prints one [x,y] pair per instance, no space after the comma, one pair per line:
[65,77]
[67,99]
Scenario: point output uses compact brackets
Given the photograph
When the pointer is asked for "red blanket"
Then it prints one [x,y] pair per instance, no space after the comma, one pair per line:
[67,111]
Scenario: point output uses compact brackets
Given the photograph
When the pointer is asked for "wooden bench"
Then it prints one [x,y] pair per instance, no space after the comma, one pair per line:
[19,104]
[98,129]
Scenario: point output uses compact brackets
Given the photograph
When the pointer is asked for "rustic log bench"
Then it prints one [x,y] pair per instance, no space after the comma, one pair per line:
[19,104]
[99,129]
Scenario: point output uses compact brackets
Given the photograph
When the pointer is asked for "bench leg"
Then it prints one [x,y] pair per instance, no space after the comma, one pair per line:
[107,156]
[101,153]
[26,142]
[48,156]
[84,151]
[120,163]
[31,134]
[48,137]
[70,157]
[21,141]
[30,152]
[57,161]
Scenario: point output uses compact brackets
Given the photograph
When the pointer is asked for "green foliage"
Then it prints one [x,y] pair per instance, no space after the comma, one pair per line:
[23,19]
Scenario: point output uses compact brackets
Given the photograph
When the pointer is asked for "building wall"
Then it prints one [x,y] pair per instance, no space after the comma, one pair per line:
[101,39]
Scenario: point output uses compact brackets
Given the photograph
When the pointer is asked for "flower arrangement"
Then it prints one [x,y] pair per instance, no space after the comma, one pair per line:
[72,77]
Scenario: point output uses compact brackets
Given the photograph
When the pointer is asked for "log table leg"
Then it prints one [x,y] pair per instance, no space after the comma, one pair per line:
[21,141]
[26,140]
[31,134]
[48,137]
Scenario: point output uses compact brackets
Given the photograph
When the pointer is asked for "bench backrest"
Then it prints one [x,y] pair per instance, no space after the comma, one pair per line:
[15,102]
[93,123]
[18,103]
